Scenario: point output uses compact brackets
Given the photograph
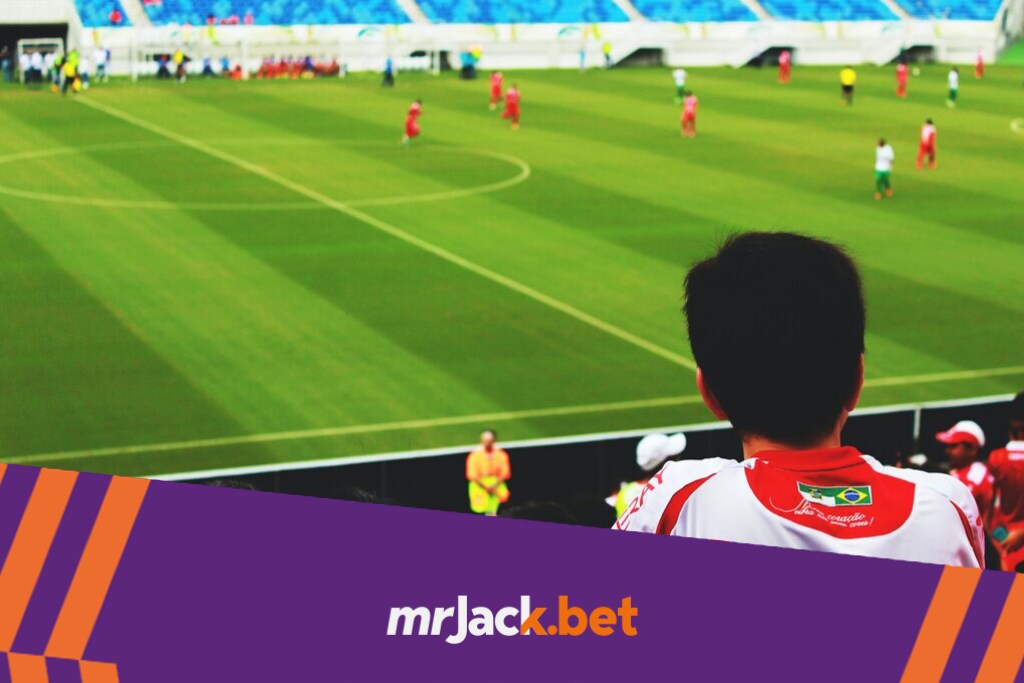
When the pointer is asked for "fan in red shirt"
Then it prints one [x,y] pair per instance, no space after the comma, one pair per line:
[964,442]
[785,66]
[902,73]
[412,122]
[496,78]
[927,146]
[1007,468]
[512,106]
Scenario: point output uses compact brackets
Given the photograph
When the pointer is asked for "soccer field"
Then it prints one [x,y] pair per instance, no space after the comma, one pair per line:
[225,273]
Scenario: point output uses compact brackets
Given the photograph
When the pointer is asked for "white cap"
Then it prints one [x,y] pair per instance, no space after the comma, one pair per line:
[965,431]
[654,449]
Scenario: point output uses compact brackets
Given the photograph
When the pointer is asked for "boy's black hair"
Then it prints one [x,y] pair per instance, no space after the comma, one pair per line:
[776,324]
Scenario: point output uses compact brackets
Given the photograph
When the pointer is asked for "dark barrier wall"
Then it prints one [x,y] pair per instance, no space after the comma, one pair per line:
[579,475]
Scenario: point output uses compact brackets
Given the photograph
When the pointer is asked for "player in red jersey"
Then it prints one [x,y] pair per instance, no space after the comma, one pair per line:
[689,129]
[512,106]
[927,146]
[902,73]
[979,67]
[496,78]
[785,66]
[412,122]
[1007,467]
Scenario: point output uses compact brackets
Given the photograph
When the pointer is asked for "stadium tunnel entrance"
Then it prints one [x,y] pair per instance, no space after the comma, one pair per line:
[10,34]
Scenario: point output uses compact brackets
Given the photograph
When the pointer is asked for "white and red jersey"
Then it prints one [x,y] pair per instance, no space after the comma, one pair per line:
[928,135]
[414,111]
[833,500]
[496,78]
[901,73]
[784,58]
[980,482]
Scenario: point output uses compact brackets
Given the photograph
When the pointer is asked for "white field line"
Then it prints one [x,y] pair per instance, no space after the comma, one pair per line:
[483,418]
[303,434]
[398,233]
[294,465]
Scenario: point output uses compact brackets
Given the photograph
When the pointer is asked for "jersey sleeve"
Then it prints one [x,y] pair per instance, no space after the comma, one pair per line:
[951,488]
[472,473]
[644,512]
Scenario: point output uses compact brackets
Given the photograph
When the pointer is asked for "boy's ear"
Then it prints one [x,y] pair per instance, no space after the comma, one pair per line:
[851,403]
[709,398]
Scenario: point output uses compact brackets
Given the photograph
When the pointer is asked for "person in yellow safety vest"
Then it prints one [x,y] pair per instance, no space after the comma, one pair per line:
[651,453]
[488,470]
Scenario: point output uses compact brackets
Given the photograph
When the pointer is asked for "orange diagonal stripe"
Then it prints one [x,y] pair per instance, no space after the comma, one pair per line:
[97,672]
[1006,649]
[27,668]
[3,468]
[941,625]
[96,570]
[29,549]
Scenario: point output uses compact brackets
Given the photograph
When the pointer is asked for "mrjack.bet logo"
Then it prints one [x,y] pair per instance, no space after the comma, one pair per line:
[458,622]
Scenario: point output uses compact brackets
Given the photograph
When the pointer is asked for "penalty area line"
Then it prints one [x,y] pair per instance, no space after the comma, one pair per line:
[409,238]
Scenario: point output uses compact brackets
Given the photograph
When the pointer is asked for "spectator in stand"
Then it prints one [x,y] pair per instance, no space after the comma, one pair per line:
[776,323]
[1007,468]
[211,20]
[651,453]
[249,18]
[115,17]
[964,442]
[488,471]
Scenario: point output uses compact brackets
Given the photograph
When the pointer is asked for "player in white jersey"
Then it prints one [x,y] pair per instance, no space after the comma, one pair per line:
[776,324]
[884,156]
[679,76]
[954,86]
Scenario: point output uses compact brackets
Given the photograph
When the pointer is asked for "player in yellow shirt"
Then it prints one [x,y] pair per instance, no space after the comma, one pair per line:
[847,79]
[488,470]
[70,72]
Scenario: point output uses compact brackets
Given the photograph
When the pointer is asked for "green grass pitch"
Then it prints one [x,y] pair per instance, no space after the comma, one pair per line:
[222,274]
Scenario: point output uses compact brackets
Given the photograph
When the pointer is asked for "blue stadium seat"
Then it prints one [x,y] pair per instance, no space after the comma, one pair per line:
[694,10]
[521,11]
[982,10]
[97,12]
[276,12]
[829,10]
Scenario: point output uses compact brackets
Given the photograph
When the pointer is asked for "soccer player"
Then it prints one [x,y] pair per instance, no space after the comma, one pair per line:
[776,324]
[100,56]
[679,76]
[902,74]
[412,122]
[389,74]
[69,68]
[785,66]
[651,453]
[884,156]
[1007,468]
[488,470]
[689,129]
[954,86]
[512,106]
[496,79]
[927,146]
[979,66]
[847,79]
[964,442]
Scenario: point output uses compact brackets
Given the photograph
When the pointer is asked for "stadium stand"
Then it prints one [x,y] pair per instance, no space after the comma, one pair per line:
[274,12]
[982,10]
[694,10]
[97,12]
[830,10]
[521,11]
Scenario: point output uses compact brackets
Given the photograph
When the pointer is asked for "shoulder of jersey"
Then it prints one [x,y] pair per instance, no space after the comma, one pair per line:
[644,512]
[943,484]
